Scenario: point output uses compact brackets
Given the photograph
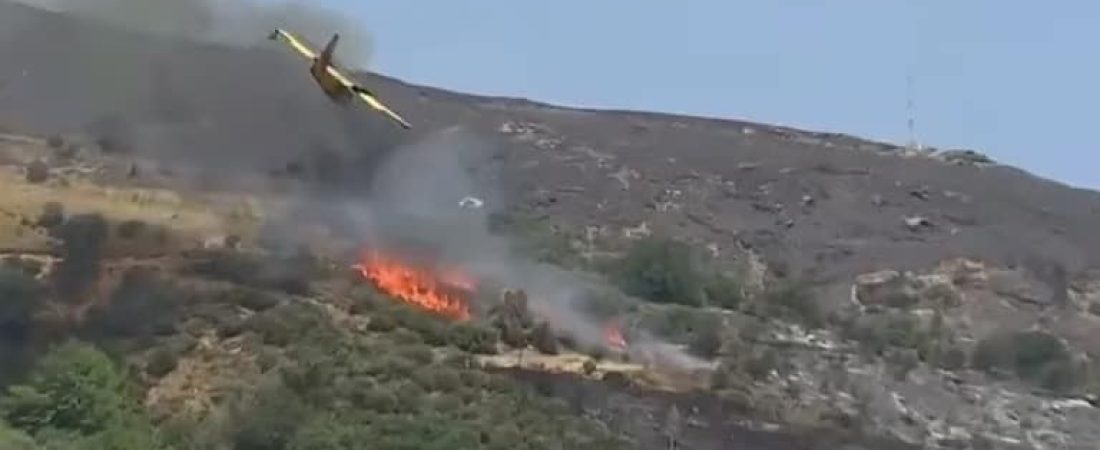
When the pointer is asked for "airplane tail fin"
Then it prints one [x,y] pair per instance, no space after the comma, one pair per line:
[326,55]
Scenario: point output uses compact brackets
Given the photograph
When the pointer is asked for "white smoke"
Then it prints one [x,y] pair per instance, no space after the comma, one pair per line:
[413,209]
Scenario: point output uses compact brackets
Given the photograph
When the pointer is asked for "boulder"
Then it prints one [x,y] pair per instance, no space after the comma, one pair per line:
[886,288]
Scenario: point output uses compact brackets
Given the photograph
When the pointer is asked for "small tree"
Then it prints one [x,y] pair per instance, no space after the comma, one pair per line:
[74,387]
[12,439]
[1035,356]
[661,270]
[544,340]
[268,421]
[723,291]
[474,339]
[38,172]
[707,341]
[52,215]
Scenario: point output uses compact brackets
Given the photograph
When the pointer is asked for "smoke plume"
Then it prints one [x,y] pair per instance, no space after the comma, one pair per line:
[412,209]
[82,238]
[238,113]
[239,23]
[131,71]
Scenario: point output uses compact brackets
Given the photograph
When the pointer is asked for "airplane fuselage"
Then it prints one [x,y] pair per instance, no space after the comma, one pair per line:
[337,86]
[332,87]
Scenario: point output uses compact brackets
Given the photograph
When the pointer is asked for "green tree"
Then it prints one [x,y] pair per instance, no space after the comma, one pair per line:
[1035,356]
[329,433]
[544,340]
[661,270]
[707,341]
[73,387]
[113,438]
[793,300]
[12,439]
[723,291]
[76,399]
[269,420]
[474,339]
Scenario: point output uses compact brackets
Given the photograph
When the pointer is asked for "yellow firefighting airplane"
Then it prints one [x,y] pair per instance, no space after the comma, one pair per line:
[336,85]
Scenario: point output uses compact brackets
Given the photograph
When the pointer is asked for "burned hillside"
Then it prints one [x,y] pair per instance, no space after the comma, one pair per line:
[270,271]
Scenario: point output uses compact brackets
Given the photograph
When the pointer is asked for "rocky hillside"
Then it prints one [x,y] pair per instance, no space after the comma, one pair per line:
[981,281]
[806,200]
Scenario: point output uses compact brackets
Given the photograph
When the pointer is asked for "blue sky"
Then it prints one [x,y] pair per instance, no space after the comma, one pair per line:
[1019,80]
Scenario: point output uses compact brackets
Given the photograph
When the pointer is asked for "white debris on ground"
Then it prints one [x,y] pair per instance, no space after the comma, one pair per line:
[471,202]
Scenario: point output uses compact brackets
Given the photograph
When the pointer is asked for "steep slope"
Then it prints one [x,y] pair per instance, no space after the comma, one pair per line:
[755,197]
[807,201]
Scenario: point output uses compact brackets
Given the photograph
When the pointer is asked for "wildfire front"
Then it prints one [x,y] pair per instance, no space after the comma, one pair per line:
[444,294]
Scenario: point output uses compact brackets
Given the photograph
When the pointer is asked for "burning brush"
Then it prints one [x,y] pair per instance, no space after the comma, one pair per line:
[613,336]
[445,293]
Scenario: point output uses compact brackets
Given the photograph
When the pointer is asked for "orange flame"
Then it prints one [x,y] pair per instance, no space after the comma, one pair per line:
[418,287]
[613,336]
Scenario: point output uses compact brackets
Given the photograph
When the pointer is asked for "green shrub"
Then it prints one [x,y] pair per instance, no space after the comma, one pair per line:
[793,300]
[74,388]
[365,299]
[474,339]
[723,291]
[903,361]
[162,361]
[286,324]
[249,298]
[538,239]
[680,324]
[406,337]
[37,172]
[707,341]
[381,324]
[267,359]
[761,365]
[270,420]
[12,439]
[542,336]
[377,399]
[512,334]
[662,271]
[877,333]
[438,378]
[419,354]
[52,215]
[130,229]
[954,358]
[1036,356]
[432,329]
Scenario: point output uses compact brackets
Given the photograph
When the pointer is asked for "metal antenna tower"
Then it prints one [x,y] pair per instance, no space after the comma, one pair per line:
[914,144]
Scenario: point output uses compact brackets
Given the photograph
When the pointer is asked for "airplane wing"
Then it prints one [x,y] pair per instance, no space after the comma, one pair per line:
[359,91]
[368,97]
[373,101]
[294,43]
